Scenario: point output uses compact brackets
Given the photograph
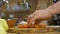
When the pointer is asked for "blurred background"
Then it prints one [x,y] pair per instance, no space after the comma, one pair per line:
[16,13]
[21,9]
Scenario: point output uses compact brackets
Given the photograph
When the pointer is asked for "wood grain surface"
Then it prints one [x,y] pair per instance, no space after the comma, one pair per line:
[33,31]
[38,33]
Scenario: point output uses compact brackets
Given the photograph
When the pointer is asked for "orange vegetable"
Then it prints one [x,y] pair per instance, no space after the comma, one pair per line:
[36,26]
[42,25]
[25,25]
[20,26]
[31,26]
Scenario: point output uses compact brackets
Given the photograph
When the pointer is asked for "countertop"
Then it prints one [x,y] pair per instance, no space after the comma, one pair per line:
[38,33]
[33,31]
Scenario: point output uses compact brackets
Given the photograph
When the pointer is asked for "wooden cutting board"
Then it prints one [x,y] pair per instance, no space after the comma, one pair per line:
[38,33]
[32,31]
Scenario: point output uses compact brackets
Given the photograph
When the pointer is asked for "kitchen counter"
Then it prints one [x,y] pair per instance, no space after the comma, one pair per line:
[38,33]
[33,31]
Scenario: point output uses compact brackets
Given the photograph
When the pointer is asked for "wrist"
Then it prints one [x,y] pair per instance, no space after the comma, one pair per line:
[53,11]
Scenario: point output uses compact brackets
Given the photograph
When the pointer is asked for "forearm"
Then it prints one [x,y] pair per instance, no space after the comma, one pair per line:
[54,9]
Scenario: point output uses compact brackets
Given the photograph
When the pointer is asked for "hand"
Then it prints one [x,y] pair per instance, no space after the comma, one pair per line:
[39,15]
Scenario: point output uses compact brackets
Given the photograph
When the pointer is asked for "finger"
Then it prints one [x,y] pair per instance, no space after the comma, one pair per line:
[37,21]
[32,20]
[32,17]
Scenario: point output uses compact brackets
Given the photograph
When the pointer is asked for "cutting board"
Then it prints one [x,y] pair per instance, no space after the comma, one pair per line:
[38,33]
[32,31]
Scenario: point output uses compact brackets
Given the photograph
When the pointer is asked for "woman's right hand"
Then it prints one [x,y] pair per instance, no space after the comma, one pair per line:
[39,15]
